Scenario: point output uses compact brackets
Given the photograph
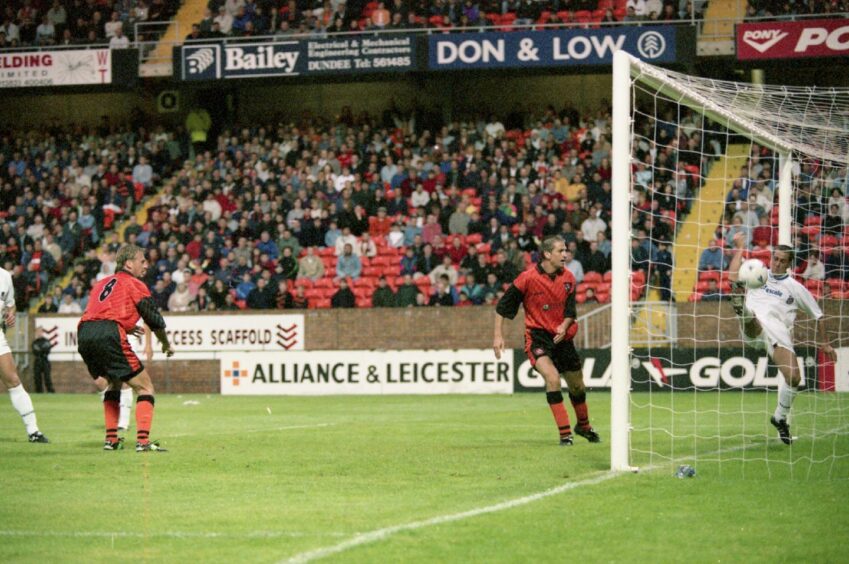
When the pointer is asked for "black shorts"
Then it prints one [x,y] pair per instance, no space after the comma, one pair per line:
[539,343]
[106,351]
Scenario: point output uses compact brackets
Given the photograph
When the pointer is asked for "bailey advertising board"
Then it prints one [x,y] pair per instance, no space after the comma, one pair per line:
[309,57]
[194,337]
[556,48]
[68,67]
[793,40]
[367,373]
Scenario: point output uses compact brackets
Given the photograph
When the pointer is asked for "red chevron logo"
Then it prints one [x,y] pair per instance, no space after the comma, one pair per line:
[52,334]
[288,343]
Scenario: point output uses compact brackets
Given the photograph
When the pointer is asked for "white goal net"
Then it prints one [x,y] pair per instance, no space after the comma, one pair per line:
[696,162]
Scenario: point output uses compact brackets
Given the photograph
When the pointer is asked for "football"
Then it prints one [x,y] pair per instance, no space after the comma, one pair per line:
[753,273]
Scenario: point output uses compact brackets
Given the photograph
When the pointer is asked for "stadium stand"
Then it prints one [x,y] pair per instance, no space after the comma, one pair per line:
[279,201]
[46,23]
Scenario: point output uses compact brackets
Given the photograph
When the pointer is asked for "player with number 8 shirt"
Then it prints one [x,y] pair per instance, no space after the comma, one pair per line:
[114,308]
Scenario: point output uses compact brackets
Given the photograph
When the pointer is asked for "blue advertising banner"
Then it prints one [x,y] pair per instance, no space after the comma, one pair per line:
[356,54]
[549,48]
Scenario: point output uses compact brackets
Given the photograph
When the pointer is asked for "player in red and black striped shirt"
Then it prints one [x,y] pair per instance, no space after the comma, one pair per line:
[547,292]
[114,307]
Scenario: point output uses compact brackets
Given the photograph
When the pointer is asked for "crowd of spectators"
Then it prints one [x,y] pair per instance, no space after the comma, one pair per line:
[820,216]
[62,190]
[771,9]
[75,22]
[241,18]
[79,22]
[363,211]
[309,213]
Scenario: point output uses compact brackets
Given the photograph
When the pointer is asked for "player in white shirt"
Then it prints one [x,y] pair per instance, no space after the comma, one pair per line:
[8,372]
[768,315]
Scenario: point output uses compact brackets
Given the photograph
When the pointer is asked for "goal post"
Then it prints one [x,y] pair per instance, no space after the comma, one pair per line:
[620,324]
[802,134]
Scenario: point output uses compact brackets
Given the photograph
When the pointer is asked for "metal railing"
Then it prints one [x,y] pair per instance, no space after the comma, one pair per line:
[155,48]
[19,340]
[705,33]
[594,328]
[649,312]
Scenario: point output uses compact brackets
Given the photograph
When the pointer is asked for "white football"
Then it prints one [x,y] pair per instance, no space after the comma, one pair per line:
[753,273]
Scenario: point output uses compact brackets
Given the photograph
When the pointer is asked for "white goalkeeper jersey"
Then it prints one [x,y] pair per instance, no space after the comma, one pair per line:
[775,304]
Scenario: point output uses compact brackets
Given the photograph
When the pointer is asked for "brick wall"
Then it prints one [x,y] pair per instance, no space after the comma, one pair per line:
[699,325]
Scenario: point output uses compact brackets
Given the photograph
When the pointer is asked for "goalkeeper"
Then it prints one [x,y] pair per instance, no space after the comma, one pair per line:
[547,292]
[767,316]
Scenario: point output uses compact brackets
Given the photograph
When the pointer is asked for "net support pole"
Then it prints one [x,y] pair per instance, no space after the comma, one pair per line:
[785,194]
[620,319]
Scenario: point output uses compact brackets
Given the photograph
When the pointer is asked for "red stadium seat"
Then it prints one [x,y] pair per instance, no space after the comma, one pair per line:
[811,230]
[564,16]
[592,277]
[814,285]
[836,284]
[313,293]
[583,286]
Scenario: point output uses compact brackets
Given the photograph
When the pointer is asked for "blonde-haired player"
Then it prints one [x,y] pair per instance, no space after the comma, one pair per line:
[768,315]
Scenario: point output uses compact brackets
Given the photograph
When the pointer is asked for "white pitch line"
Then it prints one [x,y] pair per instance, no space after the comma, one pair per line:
[171,534]
[380,534]
[264,430]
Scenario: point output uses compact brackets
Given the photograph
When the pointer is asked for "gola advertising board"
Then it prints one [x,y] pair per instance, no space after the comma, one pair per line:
[792,40]
[678,369]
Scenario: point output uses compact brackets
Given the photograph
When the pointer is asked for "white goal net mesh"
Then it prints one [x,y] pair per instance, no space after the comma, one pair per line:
[706,164]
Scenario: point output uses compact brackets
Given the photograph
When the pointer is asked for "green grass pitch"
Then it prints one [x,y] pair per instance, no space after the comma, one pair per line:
[424,479]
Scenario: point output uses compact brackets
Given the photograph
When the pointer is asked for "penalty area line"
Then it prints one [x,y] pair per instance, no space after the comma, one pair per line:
[263,430]
[171,534]
[381,534]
